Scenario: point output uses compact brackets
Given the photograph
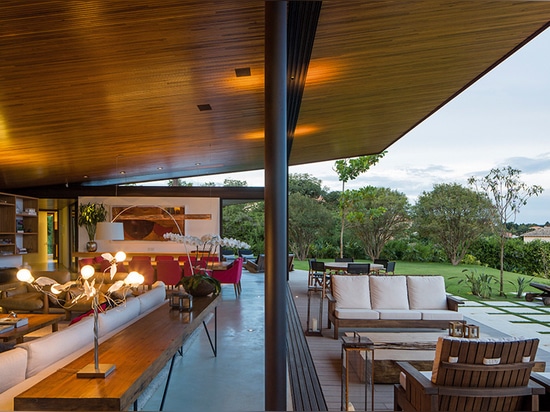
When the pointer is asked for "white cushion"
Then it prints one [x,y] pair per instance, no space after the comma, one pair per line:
[427,292]
[153,297]
[351,292]
[441,315]
[118,316]
[13,368]
[400,314]
[388,292]
[356,314]
[47,350]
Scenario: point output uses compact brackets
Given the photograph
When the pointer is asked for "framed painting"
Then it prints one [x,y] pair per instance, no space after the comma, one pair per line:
[149,222]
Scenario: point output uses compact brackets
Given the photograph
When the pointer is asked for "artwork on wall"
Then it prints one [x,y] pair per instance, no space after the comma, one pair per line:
[149,222]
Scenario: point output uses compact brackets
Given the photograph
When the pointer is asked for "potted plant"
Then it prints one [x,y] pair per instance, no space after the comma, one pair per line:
[201,284]
[89,215]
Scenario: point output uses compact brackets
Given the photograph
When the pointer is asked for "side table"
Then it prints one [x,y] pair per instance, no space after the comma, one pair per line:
[359,344]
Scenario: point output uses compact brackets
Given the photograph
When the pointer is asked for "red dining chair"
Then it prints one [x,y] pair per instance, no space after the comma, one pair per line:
[232,275]
[142,265]
[163,257]
[169,272]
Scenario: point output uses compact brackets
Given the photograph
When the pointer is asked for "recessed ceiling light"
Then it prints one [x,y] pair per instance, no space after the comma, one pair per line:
[122,172]
[197,164]
[242,72]
[203,107]
[160,168]
[85,176]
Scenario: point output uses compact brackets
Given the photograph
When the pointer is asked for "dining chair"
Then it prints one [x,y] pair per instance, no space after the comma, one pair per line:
[169,272]
[358,268]
[231,275]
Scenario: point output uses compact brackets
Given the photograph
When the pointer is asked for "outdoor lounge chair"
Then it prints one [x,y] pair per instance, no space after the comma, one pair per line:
[472,375]
[257,266]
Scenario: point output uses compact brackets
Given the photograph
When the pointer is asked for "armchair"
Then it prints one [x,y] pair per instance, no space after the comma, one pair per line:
[232,275]
[257,266]
[472,374]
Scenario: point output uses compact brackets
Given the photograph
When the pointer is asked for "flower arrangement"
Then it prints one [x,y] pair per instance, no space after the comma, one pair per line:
[89,215]
[207,243]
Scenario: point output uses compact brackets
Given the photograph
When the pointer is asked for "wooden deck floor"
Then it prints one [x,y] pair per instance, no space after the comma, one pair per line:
[326,353]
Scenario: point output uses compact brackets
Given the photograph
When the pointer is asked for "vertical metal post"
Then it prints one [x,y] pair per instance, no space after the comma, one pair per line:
[276,171]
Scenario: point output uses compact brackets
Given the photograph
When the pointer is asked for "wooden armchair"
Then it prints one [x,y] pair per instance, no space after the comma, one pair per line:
[472,375]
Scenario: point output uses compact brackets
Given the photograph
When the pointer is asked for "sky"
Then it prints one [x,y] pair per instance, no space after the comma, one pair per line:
[502,120]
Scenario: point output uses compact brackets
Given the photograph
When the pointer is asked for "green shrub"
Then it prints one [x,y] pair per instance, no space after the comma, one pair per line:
[479,284]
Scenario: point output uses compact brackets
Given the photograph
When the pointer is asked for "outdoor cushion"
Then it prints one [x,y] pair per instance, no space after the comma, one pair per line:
[441,315]
[356,314]
[351,292]
[400,314]
[388,292]
[427,292]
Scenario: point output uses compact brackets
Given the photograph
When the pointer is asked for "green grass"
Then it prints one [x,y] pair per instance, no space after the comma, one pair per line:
[453,275]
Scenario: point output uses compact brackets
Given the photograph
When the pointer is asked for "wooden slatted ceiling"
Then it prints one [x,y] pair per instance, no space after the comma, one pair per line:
[93,88]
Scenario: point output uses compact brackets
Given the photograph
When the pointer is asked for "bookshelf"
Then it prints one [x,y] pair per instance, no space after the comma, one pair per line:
[18,225]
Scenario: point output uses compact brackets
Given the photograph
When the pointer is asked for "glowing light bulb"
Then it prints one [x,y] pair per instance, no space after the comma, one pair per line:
[120,256]
[87,271]
[134,278]
[24,275]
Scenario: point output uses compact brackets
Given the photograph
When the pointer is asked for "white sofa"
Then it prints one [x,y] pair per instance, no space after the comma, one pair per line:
[360,301]
[32,361]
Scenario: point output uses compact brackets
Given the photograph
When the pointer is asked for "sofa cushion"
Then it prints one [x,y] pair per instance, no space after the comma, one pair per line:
[400,314]
[388,292]
[351,292]
[153,297]
[118,316]
[441,315]
[14,368]
[343,313]
[427,292]
[51,348]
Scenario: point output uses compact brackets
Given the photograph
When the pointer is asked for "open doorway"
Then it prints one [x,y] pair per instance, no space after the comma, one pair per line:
[53,236]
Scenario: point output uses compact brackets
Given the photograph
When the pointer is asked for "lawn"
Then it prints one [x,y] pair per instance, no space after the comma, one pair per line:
[454,275]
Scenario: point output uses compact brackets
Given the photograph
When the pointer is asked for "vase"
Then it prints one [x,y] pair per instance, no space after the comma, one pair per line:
[91,246]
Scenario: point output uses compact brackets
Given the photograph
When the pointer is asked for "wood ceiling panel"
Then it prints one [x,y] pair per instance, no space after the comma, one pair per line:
[379,68]
[95,87]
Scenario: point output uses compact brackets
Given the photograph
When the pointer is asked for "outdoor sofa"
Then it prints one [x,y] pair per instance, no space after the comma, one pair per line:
[365,301]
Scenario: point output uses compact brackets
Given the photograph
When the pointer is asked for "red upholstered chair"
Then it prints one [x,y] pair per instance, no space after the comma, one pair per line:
[232,275]
[142,264]
[163,257]
[184,262]
[86,261]
[169,272]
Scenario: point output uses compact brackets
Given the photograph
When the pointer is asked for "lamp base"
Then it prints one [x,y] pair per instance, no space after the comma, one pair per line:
[90,371]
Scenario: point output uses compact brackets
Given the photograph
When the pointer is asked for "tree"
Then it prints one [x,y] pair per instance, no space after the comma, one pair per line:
[245,221]
[305,184]
[452,216]
[178,182]
[376,215]
[507,193]
[350,169]
[308,219]
[235,183]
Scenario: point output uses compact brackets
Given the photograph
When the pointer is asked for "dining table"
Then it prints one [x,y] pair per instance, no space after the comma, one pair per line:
[343,266]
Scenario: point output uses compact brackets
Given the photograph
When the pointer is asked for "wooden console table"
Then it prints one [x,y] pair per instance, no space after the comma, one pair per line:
[140,351]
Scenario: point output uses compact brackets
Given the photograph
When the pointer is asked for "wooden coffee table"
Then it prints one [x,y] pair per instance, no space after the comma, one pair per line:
[36,321]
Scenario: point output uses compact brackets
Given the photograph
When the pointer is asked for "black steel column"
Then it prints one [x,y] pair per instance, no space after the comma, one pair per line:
[276,171]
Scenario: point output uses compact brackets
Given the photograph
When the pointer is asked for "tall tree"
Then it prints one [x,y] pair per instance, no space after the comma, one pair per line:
[508,194]
[305,184]
[452,216]
[350,169]
[376,215]
[308,220]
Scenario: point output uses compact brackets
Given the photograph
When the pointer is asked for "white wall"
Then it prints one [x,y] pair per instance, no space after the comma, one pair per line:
[203,205]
